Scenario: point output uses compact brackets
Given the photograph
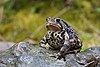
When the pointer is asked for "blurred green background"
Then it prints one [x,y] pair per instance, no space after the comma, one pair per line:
[25,19]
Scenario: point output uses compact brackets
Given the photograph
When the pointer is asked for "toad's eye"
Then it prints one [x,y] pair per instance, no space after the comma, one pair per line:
[57,19]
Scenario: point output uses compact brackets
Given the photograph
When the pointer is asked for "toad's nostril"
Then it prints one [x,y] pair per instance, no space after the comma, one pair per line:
[48,18]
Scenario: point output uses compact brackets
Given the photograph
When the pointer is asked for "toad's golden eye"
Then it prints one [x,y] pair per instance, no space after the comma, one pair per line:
[57,19]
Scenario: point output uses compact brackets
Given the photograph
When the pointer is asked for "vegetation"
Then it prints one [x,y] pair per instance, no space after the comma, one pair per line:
[26,19]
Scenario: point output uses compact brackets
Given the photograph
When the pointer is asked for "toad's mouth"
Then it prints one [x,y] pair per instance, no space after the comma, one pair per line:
[53,27]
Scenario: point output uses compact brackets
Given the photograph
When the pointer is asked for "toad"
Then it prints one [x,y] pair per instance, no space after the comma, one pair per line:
[62,37]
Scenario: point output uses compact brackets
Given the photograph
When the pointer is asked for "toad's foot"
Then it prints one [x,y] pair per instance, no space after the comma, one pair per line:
[58,56]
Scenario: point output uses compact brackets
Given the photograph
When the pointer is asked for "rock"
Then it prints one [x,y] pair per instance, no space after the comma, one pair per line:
[85,57]
[5,45]
[26,55]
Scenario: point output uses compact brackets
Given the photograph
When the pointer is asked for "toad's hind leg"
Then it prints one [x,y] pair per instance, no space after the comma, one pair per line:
[67,48]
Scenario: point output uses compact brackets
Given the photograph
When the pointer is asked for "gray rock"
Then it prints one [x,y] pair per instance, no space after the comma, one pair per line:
[5,45]
[26,55]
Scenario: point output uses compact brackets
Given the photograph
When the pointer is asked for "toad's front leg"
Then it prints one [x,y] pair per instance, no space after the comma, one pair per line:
[43,42]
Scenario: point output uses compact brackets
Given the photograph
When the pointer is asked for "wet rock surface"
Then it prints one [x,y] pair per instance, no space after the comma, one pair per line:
[26,55]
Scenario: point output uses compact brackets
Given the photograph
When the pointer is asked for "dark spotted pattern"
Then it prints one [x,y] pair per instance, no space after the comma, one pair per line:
[55,40]
[65,40]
